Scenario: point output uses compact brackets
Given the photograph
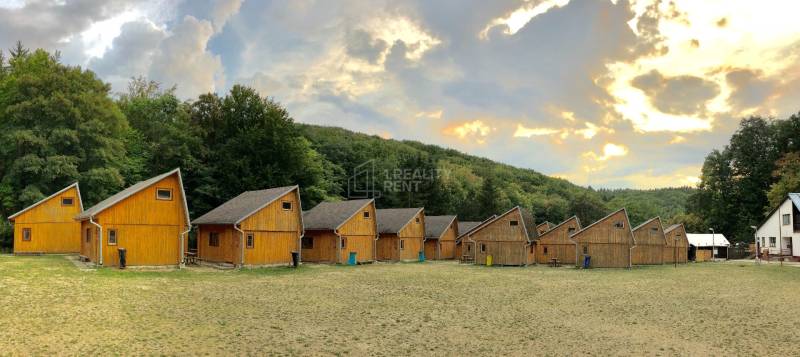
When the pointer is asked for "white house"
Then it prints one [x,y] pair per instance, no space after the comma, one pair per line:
[782,228]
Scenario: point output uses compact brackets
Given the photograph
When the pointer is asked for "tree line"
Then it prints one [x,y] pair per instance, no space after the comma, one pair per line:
[60,124]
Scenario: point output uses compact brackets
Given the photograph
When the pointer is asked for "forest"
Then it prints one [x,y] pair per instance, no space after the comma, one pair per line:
[60,124]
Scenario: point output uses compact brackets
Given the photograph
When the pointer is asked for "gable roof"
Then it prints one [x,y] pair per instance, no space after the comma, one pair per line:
[577,220]
[244,205]
[130,191]
[794,197]
[527,221]
[469,228]
[435,226]
[547,224]
[673,227]
[633,239]
[392,220]
[646,222]
[48,198]
[332,215]
[707,240]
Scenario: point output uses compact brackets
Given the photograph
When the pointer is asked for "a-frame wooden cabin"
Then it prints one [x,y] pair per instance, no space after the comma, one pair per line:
[556,243]
[465,249]
[677,244]
[335,230]
[149,219]
[650,243]
[608,242]
[255,228]
[401,232]
[508,239]
[440,237]
[541,228]
[48,226]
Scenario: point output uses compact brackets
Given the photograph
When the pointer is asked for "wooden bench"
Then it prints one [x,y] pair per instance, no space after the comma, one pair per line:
[467,259]
[555,263]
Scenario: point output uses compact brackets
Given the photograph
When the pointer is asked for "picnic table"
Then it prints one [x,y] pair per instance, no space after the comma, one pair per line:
[191,257]
[554,262]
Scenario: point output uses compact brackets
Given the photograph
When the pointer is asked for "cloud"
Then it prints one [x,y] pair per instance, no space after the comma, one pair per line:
[473,130]
[523,132]
[222,12]
[676,95]
[610,150]
[749,89]
[520,17]
[131,53]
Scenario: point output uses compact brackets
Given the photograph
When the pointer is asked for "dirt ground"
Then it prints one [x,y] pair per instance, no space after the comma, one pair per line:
[50,306]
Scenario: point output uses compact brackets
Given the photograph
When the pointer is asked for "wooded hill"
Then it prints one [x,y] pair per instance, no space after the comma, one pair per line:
[60,124]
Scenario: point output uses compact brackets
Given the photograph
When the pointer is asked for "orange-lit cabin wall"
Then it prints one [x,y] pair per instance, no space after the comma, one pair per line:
[52,225]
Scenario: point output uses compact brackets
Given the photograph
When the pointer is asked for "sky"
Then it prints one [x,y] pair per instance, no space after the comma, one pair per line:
[604,93]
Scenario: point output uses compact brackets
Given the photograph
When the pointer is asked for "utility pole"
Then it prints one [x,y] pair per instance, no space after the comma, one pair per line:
[713,256]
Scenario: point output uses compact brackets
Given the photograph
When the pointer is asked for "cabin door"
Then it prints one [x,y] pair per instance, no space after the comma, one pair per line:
[786,246]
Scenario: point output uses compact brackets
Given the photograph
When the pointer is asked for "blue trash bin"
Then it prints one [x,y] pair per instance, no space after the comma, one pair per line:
[587,260]
[422,256]
[352,260]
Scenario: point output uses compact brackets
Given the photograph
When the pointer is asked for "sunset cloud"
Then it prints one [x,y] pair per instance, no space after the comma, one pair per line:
[473,130]
[610,150]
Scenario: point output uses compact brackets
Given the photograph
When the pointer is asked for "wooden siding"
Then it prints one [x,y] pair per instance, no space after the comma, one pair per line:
[88,246]
[228,250]
[148,228]
[271,248]
[363,246]
[53,228]
[507,244]
[443,248]
[432,249]
[650,243]
[360,226]
[273,218]
[676,247]
[608,246]
[412,235]
[556,243]
[325,248]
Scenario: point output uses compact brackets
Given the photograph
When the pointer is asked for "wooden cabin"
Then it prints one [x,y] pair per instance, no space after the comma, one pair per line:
[254,228]
[508,239]
[48,226]
[149,219]
[608,242]
[556,243]
[401,232]
[677,244]
[544,227]
[464,248]
[650,243]
[334,230]
[440,237]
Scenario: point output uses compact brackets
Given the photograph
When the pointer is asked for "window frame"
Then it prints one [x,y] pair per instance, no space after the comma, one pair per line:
[304,244]
[366,215]
[585,249]
[250,240]
[343,242]
[164,189]
[116,236]
[772,241]
[417,220]
[71,204]
[571,230]
[513,223]
[619,224]
[545,250]
[786,219]
[213,239]
[284,203]
[29,236]
[402,244]
[483,247]
[88,236]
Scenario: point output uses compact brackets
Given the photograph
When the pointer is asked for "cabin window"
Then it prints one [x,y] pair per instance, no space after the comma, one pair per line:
[26,234]
[366,214]
[307,243]
[763,241]
[545,250]
[251,241]
[469,247]
[402,244]
[483,248]
[286,205]
[619,225]
[585,249]
[344,242]
[88,235]
[112,237]
[772,242]
[213,239]
[513,223]
[786,220]
[533,249]
[67,201]
[164,194]
[417,220]
[570,230]
[654,229]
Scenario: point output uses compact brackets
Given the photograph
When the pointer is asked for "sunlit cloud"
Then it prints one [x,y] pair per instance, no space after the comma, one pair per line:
[524,132]
[476,130]
[589,131]
[610,150]
[516,20]
[435,114]
[677,139]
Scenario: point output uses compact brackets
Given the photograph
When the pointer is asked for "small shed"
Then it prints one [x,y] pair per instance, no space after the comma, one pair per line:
[677,245]
[440,237]
[401,232]
[650,243]
[508,239]
[335,230]
[700,246]
[544,227]
[149,219]
[556,243]
[48,226]
[254,228]
[608,241]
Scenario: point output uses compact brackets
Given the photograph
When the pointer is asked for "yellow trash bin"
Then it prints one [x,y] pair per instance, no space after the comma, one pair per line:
[488,260]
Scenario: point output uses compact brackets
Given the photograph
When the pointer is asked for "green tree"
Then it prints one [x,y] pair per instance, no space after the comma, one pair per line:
[787,173]
[589,207]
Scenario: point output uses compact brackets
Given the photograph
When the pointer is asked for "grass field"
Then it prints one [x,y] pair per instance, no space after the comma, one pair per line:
[48,306]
